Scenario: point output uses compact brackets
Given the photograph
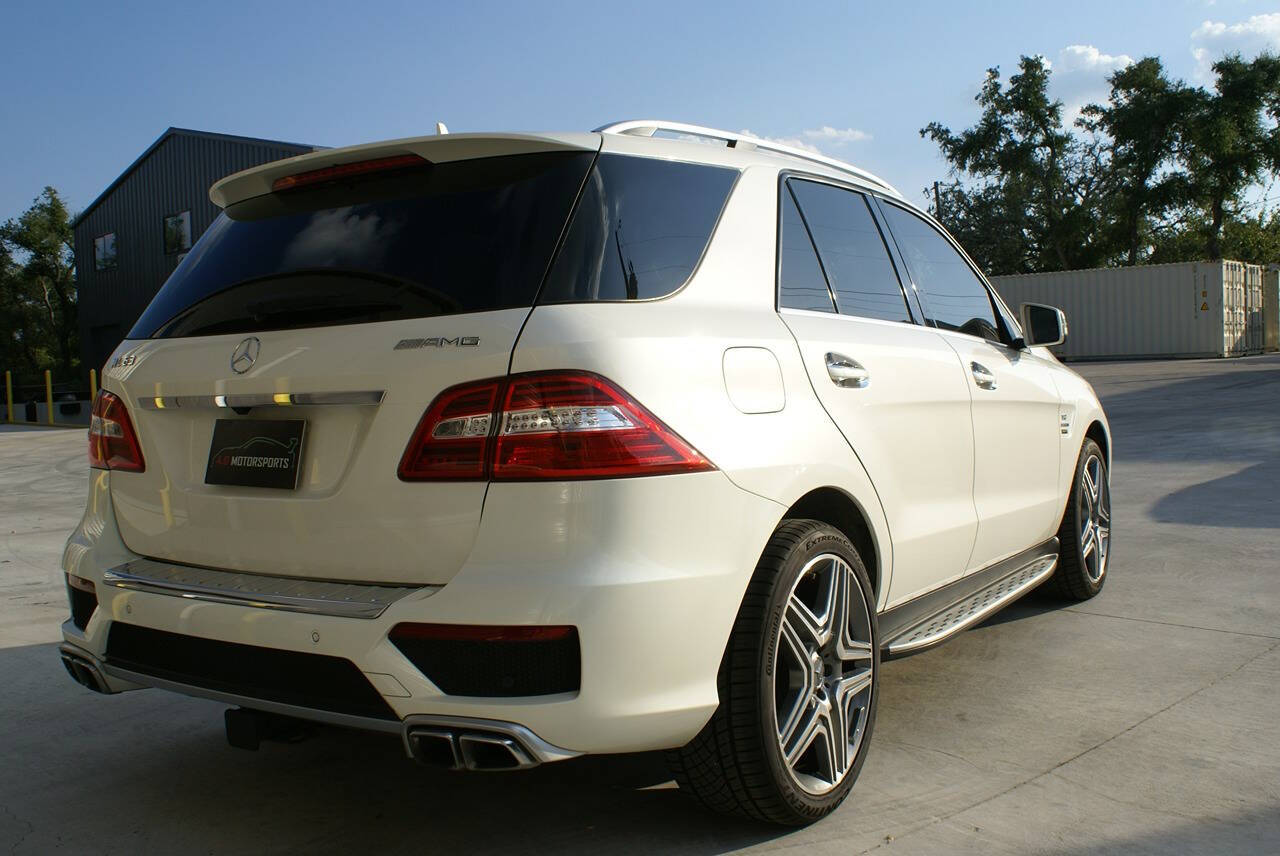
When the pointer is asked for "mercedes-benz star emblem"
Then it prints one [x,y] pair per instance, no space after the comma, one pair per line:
[245,355]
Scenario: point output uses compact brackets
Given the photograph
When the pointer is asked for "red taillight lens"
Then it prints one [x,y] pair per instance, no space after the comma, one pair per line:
[113,444]
[543,425]
[346,170]
[569,425]
[454,436]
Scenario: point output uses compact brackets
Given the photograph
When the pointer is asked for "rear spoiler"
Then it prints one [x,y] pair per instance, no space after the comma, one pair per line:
[437,149]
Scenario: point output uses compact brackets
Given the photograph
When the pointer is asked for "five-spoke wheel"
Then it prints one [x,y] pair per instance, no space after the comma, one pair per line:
[1085,533]
[797,684]
[824,675]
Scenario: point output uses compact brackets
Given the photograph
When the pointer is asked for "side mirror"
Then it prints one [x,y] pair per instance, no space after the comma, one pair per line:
[1043,325]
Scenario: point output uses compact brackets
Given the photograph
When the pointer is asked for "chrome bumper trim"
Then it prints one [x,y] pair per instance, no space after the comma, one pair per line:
[278,399]
[346,720]
[316,597]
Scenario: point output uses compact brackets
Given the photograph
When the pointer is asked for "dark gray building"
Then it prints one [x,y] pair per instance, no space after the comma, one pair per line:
[132,236]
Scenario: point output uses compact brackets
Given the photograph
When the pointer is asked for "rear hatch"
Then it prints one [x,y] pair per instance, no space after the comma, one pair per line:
[311,326]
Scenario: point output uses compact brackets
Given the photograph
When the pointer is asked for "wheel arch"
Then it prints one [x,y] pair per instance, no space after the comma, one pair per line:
[837,508]
[1097,432]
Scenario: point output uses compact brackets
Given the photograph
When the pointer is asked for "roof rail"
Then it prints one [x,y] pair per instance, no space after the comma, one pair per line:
[649,127]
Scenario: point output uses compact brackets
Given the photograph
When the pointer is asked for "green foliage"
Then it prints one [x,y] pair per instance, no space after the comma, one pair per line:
[38,328]
[1158,173]
[1027,170]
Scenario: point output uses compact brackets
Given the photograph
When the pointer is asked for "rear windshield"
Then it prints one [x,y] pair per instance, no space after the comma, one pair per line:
[464,236]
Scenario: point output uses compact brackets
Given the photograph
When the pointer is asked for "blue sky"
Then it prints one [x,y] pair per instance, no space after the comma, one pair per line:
[90,85]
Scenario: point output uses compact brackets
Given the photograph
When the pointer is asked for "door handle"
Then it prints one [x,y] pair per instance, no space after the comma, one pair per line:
[847,372]
[982,376]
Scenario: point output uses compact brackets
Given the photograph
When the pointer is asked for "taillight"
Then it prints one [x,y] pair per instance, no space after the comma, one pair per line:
[453,438]
[113,444]
[543,425]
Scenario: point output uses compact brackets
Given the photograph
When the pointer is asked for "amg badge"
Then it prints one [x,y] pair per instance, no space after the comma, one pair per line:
[437,342]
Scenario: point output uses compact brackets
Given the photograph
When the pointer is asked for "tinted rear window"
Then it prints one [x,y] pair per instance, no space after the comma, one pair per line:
[639,230]
[464,236]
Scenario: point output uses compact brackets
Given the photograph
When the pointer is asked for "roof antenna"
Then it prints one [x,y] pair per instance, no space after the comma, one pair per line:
[441,129]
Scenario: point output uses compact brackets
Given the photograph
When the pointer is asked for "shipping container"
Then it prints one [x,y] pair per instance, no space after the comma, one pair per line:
[1186,309]
[1271,309]
[1254,331]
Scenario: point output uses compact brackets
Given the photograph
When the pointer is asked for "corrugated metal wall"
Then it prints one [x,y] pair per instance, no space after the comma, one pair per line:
[1191,309]
[1271,309]
[173,178]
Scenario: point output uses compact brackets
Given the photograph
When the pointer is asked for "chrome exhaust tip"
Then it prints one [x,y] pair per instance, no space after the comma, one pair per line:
[83,670]
[434,747]
[494,752]
[471,743]
[480,751]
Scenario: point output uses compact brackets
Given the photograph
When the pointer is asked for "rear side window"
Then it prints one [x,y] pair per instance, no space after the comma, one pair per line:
[639,229]
[852,251]
[801,283]
[463,236]
[955,298]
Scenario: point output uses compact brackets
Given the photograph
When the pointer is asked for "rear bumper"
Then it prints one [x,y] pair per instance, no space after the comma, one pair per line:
[650,571]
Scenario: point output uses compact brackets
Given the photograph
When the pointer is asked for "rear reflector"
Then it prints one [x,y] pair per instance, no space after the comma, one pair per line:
[113,444]
[549,425]
[482,632]
[346,170]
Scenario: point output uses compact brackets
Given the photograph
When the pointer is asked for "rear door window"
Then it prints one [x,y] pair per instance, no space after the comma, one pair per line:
[440,239]
[954,296]
[639,230]
[801,282]
[852,251]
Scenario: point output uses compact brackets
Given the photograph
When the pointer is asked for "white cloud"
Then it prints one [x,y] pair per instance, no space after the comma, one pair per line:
[1080,77]
[1213,39]
[837,136]
[1087,58]
[794,142]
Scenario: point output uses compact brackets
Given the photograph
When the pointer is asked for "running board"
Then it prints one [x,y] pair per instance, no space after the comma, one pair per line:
[937,616]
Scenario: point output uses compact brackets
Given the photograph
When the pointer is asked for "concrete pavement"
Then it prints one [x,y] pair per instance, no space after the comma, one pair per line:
[1143,721]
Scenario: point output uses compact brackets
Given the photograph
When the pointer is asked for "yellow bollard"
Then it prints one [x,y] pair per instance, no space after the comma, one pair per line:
[93,384]
[48,395]
[8,395]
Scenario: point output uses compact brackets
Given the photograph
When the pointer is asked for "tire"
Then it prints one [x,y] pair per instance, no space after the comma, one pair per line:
[736,764]
[1083,562]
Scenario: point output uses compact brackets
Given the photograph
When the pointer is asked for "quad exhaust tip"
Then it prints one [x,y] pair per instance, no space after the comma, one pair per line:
[467,749]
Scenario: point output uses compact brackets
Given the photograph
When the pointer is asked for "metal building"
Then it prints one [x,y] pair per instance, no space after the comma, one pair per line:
[129,239]
[1186,309]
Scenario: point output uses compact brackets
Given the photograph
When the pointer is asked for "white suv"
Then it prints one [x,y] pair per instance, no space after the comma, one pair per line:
[524,447]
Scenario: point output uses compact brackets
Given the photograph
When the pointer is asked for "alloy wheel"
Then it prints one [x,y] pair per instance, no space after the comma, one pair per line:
[1095,517]
[824,675]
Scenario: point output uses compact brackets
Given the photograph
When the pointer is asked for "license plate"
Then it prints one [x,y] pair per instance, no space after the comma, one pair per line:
[256,452]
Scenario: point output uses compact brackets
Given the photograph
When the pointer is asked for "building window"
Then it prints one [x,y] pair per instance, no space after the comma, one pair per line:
[104,251]
[177,233]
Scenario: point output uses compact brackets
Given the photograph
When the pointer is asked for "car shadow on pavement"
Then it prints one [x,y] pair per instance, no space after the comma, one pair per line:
[161,763]
[1246,499]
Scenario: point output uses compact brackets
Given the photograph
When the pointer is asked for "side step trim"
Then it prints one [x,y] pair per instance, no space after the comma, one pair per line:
[937,616]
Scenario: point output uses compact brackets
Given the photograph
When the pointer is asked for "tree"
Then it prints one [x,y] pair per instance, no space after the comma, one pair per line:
[38,288]
[1037,177]
[1142,121]
[1232,138]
